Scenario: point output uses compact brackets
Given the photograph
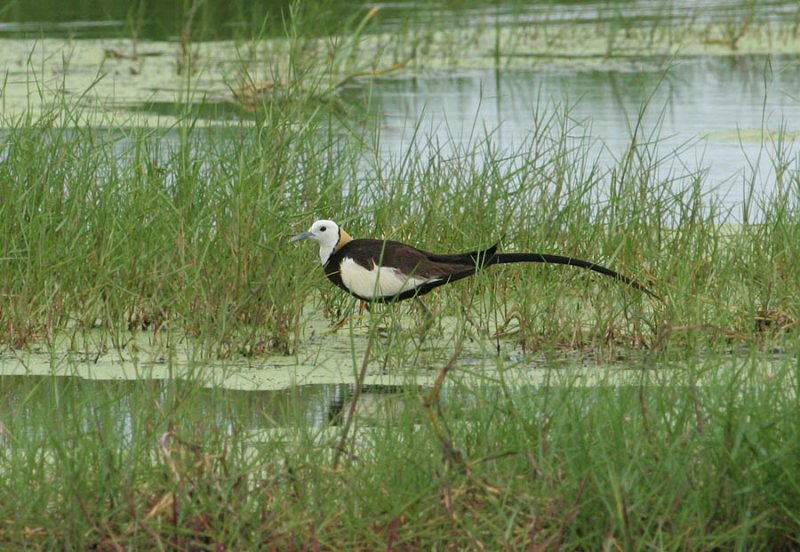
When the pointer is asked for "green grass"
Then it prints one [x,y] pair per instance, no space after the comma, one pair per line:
[184,231]
[160,235]
[168,464]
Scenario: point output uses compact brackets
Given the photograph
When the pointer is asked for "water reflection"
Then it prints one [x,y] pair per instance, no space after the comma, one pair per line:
[25,399]
[708,112]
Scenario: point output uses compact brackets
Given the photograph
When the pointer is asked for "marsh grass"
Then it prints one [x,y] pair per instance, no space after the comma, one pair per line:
[157,230]
[704,463]
[647,217]
[182,232]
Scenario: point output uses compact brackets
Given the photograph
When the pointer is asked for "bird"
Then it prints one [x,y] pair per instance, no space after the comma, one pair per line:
[386,271]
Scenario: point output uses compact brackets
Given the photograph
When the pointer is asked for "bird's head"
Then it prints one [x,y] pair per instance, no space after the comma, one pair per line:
[329,236]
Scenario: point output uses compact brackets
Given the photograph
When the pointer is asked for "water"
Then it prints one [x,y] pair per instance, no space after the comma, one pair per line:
[706,114]
[309,405]
[714,115]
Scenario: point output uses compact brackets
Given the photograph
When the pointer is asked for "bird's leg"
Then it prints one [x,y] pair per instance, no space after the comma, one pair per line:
[341,322]
[421,303]
[429,318]
[396,317]
[393,325]
[349,315]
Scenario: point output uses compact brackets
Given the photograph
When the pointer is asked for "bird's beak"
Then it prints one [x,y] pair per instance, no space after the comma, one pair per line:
[301,236]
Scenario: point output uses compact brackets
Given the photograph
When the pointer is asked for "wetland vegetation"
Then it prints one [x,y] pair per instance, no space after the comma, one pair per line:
[159,334]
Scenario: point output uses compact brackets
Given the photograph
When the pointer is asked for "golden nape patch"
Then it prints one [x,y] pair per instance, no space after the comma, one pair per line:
[344,238]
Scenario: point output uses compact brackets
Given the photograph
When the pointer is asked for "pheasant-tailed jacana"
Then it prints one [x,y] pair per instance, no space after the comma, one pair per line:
[386,271]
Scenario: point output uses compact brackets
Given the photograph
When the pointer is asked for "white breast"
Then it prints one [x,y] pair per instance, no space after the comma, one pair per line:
[379,281]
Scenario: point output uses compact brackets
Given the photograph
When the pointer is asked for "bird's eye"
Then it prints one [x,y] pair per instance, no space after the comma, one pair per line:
[322,229]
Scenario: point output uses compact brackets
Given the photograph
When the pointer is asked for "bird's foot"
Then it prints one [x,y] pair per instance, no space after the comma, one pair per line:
[388,330]
[356,318]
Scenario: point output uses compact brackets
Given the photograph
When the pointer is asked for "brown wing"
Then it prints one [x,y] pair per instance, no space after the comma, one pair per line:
[410,260]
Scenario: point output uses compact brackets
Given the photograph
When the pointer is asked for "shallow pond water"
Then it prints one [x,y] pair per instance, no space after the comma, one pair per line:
[717,116]
[316,406]
[303,392]
[720,119]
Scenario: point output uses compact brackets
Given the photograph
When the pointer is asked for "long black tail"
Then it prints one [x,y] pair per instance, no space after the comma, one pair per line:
[505,258]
